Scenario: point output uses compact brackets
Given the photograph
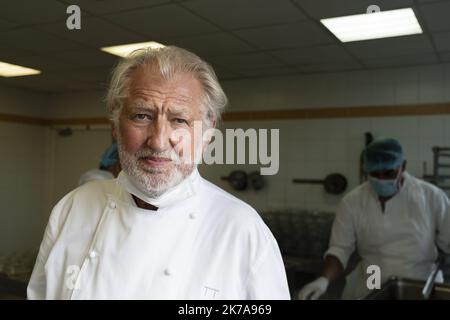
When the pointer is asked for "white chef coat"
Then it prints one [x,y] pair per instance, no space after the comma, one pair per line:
[206,245]
[401,240]
[95,174]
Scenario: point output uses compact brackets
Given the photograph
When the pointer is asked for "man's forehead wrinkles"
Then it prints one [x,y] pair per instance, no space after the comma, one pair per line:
[141,104]
[159,94]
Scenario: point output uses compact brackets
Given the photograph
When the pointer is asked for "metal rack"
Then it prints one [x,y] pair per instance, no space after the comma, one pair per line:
[439,177]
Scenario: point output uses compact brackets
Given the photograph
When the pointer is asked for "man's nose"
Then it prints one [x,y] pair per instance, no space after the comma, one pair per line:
[158,136]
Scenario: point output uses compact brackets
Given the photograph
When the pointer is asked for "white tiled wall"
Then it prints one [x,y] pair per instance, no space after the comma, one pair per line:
[23,173]
[411,85]
[400,86]
[22,102]
[314,148]
[308,148]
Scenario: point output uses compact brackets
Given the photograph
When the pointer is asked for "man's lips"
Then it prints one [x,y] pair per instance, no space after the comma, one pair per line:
[156,161]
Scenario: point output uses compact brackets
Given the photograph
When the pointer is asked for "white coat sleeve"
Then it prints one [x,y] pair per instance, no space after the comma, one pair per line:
[267,278]
[343,235]
[442,214]
[37,286]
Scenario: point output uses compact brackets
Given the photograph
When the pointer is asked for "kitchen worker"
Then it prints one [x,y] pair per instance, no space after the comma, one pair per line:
[109,167]
[395,221]
[158,231]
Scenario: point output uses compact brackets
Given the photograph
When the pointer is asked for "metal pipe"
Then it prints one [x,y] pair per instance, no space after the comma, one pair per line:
[429,284]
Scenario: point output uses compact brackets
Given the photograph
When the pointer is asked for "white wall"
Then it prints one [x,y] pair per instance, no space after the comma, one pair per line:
[74,155]
[412,85]
[77,104]
[315,148]
[23,172]
[400,86]
[23,102]
[39,166]
[312,149]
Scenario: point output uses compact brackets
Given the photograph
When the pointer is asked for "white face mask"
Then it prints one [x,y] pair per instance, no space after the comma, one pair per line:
[182,191]
[386,188]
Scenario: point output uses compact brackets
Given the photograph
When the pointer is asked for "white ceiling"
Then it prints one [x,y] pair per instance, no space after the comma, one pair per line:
[240,38]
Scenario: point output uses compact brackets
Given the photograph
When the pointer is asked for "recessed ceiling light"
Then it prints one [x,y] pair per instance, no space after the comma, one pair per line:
[125,49]
[12,70]
[383,24]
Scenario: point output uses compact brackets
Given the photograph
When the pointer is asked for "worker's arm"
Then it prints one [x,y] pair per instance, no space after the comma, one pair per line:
[333,268]
[342,245]
[342,241]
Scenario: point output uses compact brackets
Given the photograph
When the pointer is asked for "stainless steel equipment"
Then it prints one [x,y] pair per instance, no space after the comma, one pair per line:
[441,168]
[407,289]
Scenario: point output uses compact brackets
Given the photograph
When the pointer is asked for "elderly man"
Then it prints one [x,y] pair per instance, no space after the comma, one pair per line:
[394,221]
[158,231]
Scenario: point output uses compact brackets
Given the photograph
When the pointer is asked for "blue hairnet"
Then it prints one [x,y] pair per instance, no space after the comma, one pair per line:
[110,156]
[383,154]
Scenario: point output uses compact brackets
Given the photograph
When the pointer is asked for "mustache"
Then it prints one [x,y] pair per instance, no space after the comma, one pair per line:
[168,154]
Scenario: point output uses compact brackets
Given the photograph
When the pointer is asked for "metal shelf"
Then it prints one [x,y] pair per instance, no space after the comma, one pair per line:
[438,177]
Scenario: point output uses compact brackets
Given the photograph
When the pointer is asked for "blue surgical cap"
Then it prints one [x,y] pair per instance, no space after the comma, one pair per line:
[383,154]
[110,156]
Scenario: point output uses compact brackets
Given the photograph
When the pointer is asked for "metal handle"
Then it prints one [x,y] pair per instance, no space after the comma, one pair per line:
[315,181]
[426,291]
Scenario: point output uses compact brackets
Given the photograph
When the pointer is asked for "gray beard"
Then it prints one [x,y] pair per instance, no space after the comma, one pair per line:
[152,181]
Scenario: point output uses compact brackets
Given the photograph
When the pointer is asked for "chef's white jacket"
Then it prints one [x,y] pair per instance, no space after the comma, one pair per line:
[95,174]
[401,240]
[205,245]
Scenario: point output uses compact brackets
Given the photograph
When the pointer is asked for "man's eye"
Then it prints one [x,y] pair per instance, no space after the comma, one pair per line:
[141,117]
[181,121]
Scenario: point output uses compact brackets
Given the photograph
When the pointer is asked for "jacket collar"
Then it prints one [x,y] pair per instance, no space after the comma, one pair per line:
[184,190]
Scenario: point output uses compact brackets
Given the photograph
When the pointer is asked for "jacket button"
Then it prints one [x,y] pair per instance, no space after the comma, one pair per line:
[192,215]
[112,205]
[93,254]
[167,272]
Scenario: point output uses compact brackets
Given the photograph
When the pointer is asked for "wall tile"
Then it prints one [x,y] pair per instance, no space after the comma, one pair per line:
[407,86]
[431,127]
[431,84]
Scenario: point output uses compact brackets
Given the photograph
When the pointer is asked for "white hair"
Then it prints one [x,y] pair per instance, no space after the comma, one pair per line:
[169,60]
